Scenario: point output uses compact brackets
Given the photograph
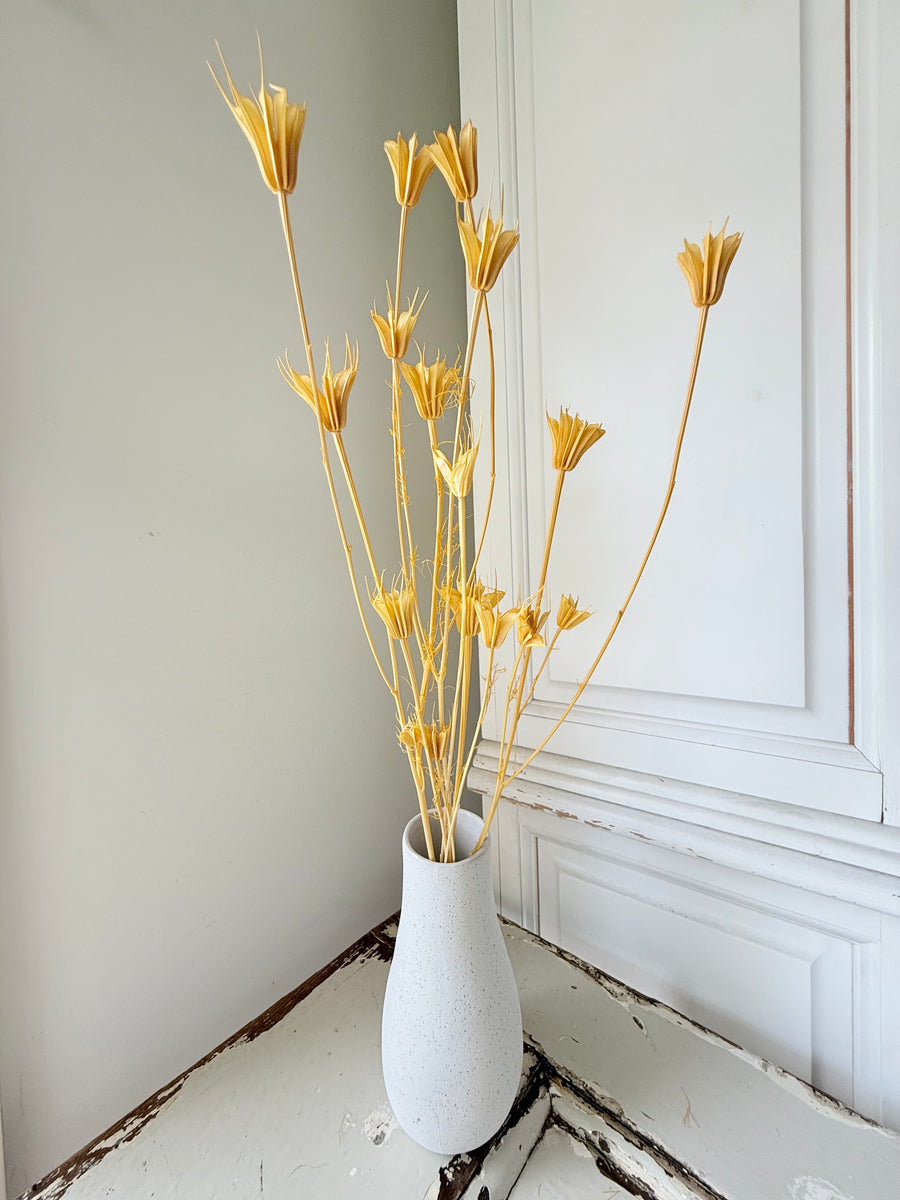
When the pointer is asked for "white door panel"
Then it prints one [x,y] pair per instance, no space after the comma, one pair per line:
[713,823]
[631,127]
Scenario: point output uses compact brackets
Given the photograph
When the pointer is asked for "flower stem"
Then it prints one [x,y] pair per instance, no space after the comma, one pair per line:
[493,472]
[504,780]
[354,497]
[326,463]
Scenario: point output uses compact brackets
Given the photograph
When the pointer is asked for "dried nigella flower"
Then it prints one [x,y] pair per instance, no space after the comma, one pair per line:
[431,386]
[334,396]
[705,269]
[397,609]
[571,436]
[458,475]
[494,624]
[411,168]
[395,330]
[272,125]
[486,249]
[530,621]
[457,160]
[569,614]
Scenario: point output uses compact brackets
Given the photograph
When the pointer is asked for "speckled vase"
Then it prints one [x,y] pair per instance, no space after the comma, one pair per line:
[451,1042]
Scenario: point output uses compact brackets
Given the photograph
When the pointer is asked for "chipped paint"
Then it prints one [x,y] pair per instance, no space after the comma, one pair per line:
[621,1160]
[810,1187]
[379,1125]
[632,1000]
[536,806]
[298,1106]
[635,1077]
[568,1093]
[459,1175]
[378,943]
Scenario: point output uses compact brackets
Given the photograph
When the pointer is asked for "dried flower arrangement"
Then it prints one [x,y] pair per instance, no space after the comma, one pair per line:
[435,612]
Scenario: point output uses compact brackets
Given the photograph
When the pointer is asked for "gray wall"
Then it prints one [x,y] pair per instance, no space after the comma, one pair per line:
[202,795]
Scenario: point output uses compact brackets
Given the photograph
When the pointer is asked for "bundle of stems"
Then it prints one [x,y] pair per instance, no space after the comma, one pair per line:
[424,626]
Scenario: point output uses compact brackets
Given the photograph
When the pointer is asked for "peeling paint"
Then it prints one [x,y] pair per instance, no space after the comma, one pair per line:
[627,1164]
[630,999]
[376,944]
[571,1097]
[379,1125]
[459,1174]
[346,1123]
[535,806]
[810,1187]
[613,1115]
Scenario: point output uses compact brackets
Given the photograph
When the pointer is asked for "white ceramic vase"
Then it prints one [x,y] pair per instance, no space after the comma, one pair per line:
[452,1028]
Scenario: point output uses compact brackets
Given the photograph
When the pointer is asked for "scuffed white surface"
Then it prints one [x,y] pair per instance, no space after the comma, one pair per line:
[809,1187]
[746,1128]
[298,1112]
[301,1111]
[562,1169]
[379,1125]
[635,1163]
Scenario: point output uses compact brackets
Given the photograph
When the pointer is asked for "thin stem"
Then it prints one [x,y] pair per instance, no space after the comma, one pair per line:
[540,669]
[513,676]
[419,781]
[467,369]
[460,697]
[432,674]
[397,438]
[461,775]
[438,527]
[400,470]
[448,585]
[521,702]
[551,530]
[326,463]
[464,709]
[360,520]
[298,295]
[404,217]
[493,473]
[396,416]
[503,780]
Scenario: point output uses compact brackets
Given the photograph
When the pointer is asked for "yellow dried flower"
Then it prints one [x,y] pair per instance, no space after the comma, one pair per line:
[705,269]
[486,254]
[494,625]
[408,735]
[529,623]
[395,329]
[458,476]
[571,437]
[430,385]
[411,168]
[272,126]
[457,159]
[430,738]
[569,614]
[466,616]
[397,609]
[332,400]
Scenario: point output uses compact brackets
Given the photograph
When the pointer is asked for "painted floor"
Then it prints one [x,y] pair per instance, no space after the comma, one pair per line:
[620,1097]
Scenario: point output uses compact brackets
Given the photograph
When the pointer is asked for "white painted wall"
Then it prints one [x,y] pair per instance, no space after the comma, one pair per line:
[201,794]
